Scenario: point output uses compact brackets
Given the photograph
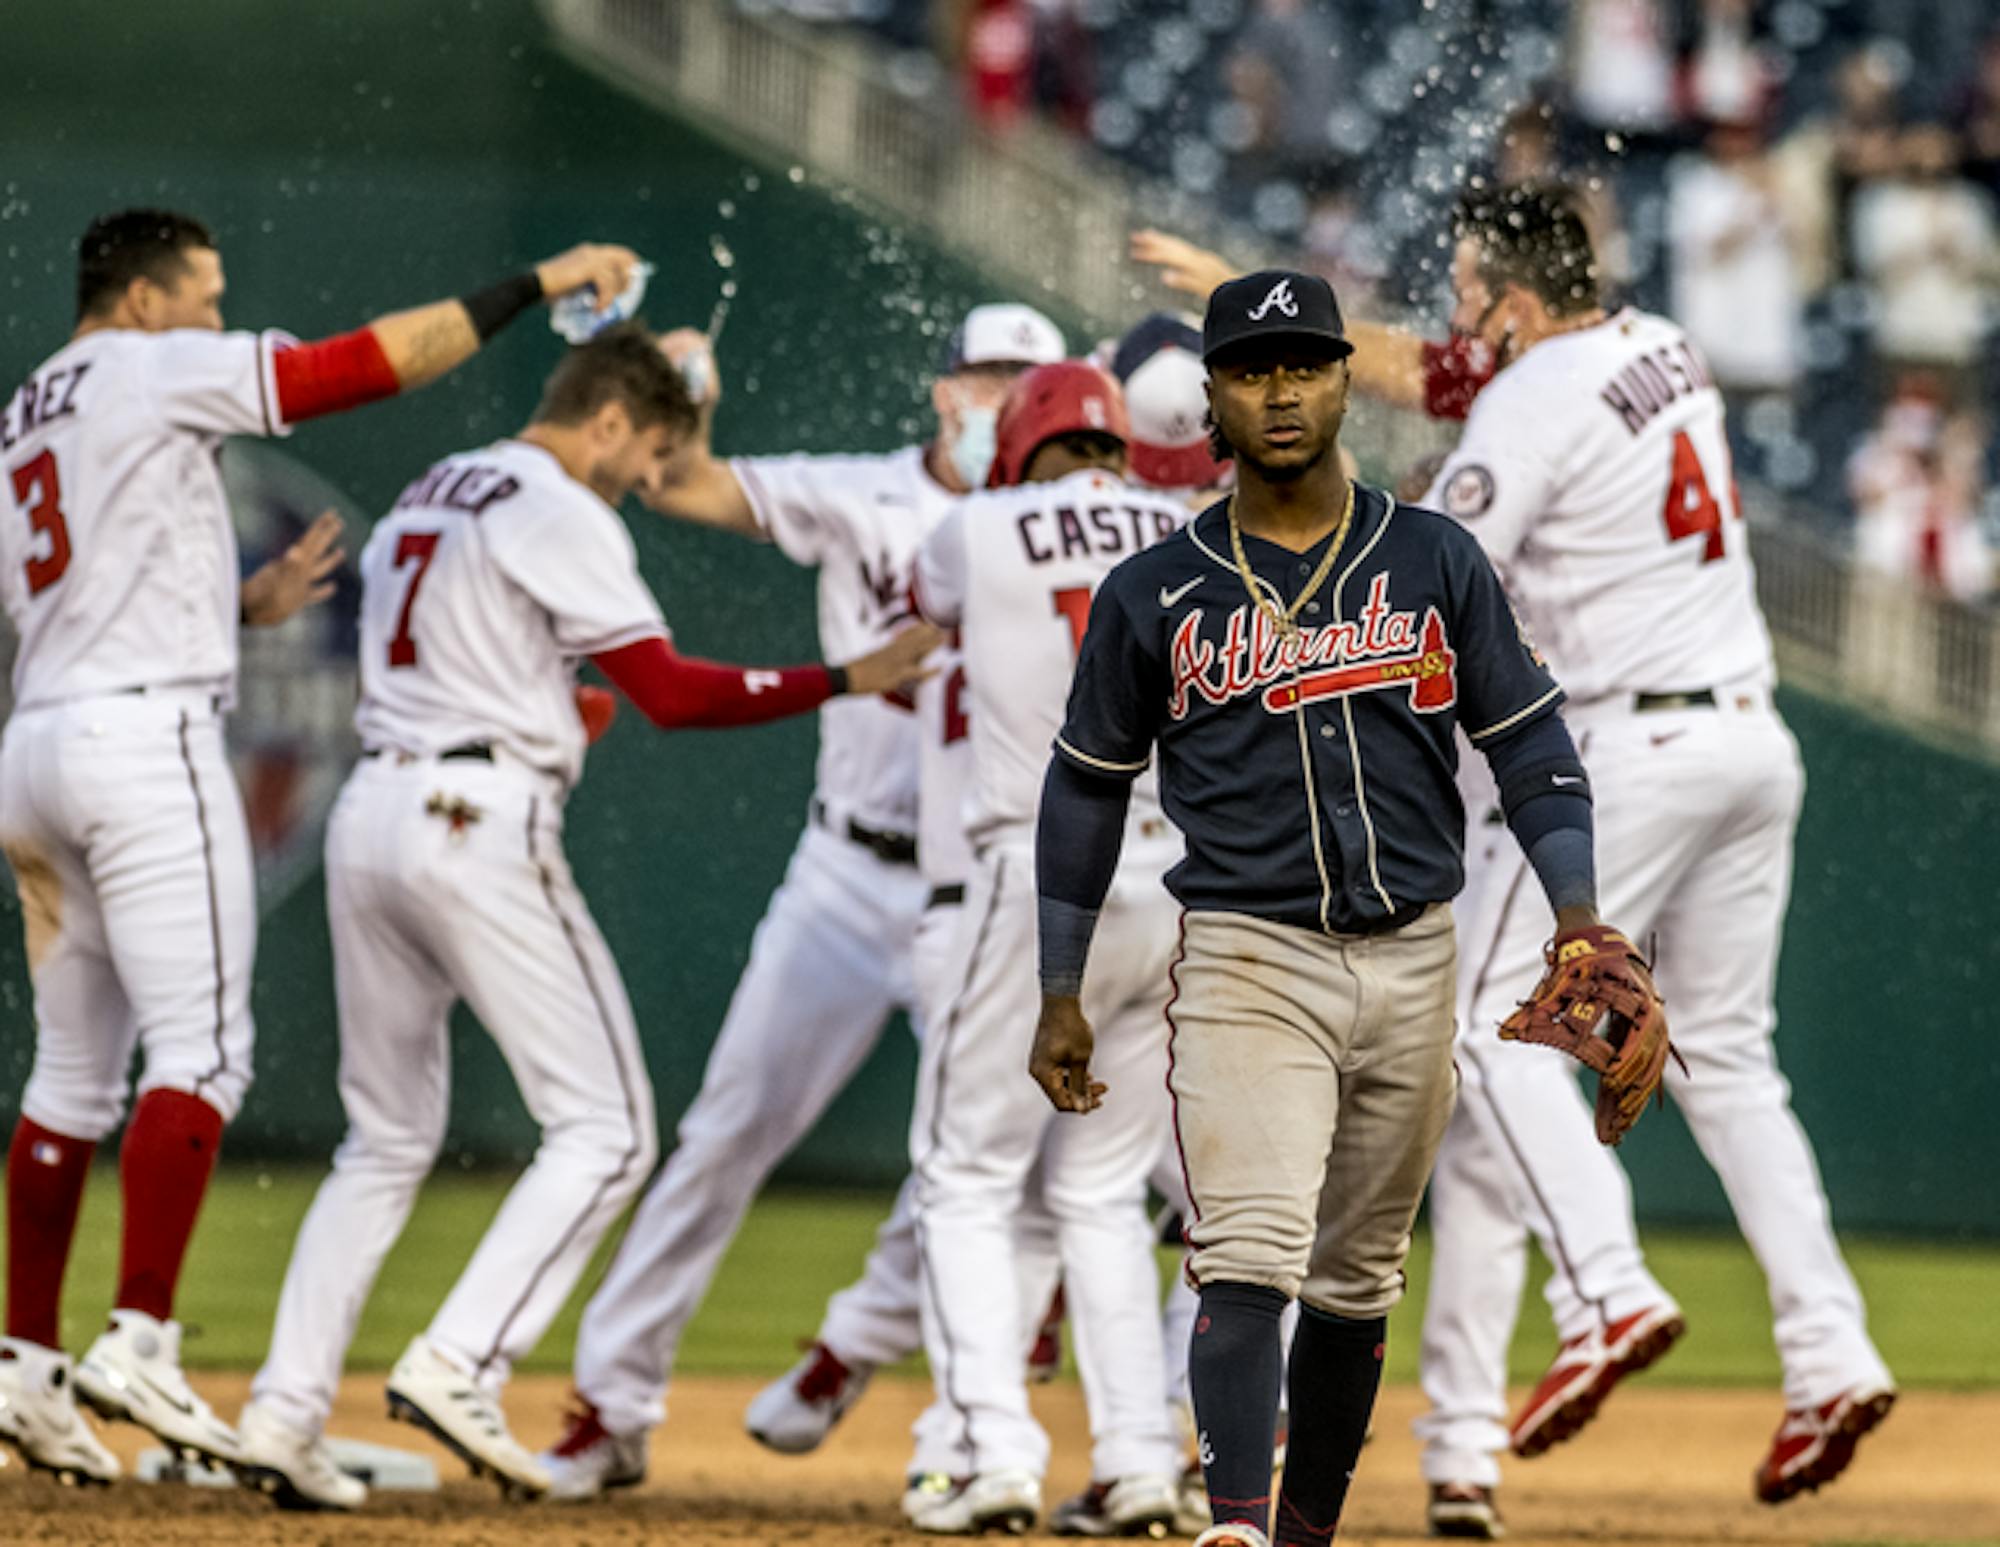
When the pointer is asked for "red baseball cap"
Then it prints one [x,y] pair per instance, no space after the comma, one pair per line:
[1065,398]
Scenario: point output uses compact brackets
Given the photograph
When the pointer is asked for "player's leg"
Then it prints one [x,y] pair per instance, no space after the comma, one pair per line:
[1394,1050]
[1719,942]
[527,956]
[876,1320]
[1095,1187]
[975,1131]
[168,852]
[1240,1044]
[1479,1265]
[807,1011]
[74,1096]
[395,1075]
[1612,1316]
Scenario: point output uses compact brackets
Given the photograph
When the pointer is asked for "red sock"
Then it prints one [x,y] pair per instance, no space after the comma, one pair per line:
[45,1177]
[169,1152]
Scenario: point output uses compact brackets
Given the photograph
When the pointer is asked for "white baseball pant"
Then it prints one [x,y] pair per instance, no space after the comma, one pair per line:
[122,823]
[1695,811]
[829,962]
[979,1126]
[447,880]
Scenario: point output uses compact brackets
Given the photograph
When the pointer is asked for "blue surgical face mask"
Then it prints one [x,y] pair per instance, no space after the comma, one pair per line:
[973,449]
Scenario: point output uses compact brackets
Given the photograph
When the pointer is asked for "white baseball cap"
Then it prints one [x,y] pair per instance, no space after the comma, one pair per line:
[1004,333]
[1166,401]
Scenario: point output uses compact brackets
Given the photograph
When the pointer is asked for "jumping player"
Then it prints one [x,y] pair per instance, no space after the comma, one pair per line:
[1301,657]
[831,958]
[118,813]
[1595,472]
[1014,571]
[495,572]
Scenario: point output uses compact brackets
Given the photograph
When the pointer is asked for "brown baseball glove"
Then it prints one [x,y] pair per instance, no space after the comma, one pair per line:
[1598,1004]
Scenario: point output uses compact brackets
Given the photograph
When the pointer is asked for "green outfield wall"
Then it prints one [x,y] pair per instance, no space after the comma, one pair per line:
[363,156]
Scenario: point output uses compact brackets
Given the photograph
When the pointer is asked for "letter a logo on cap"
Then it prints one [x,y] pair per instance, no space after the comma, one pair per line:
[1280,297]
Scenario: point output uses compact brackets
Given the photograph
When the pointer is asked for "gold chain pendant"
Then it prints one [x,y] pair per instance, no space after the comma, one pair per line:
[1286,622]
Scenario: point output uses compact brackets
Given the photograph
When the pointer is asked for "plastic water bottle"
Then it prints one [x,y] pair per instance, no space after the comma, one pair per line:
[576,318]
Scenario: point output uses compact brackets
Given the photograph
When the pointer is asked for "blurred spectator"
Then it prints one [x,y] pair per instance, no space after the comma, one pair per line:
[1065,82]
[1286,73]
[1725,79]
[1343,247]
[994,42]
[1734,289]
[1976,116]
[1916,482]
[1926,243]
[1621,70]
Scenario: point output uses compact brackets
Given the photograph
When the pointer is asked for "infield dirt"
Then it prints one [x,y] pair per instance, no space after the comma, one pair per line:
[1660,1466]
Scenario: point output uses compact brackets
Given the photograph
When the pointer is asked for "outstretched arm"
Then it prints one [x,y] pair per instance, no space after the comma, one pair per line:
[409,349]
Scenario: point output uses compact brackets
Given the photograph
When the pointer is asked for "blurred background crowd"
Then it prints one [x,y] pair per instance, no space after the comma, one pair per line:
[1809,186]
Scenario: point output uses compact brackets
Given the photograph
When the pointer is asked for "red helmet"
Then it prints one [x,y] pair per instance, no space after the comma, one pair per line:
[1051,400]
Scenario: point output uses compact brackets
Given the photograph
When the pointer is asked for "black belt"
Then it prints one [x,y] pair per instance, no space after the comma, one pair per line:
[1647,703]
[890,848]
[1403,917]
[945,896]
[471,752]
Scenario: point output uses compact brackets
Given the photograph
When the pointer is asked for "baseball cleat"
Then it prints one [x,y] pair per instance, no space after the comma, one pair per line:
[1814,1444]
[795,1413]
[1235,1533]
[38,1416]
[1464,1510]
[1191,1512]
[1045,1358]
[1584,1373]
[1131,1506]
[590,1461]
[922,1490]
[1009,1502]
[133,1373]
[426,1389]
[293,1468]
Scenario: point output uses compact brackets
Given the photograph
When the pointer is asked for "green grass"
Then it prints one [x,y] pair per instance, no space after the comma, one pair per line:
[1930,1305]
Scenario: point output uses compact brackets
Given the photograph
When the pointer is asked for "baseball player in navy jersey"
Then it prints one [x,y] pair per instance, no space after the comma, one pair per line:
[832,957]
[1595,472]
[495,573]
[118,813]
[1299,661]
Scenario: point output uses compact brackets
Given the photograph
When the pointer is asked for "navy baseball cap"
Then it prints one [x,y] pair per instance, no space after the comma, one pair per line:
[1273,304]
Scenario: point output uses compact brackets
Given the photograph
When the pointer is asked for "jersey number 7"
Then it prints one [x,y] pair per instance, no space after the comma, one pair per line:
[39,492]
[417,548]
[1691,510]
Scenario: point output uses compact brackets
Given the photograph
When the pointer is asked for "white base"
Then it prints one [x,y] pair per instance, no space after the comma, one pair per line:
[379,1466]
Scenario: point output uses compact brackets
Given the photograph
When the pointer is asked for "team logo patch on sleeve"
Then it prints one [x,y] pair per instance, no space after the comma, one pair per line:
[1468,492]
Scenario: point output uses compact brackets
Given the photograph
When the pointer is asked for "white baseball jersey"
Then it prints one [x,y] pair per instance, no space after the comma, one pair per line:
[859,519]
[1014,570]
[1614,523]
[492,575]
[944,769]
[118,560]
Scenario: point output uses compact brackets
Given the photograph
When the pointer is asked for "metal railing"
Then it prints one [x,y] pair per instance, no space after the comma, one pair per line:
[1046,213]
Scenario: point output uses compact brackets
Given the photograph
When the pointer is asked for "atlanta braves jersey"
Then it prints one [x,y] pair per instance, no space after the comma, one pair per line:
[1616,525]
[1014,570]
[1410,638]
[492,575]
[118,560]
[859,521]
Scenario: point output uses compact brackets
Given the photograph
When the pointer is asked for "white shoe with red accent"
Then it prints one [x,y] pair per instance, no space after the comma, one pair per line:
[589,1460]
[795,1413]
[1585,1371]
[1233,1535]
[1814,1444]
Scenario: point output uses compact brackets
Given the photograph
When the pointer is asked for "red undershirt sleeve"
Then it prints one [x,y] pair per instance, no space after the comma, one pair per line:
[677,691]
[331,374]
[1454,371]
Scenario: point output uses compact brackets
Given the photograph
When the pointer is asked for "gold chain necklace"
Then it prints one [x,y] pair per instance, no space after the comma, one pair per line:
[1287,621]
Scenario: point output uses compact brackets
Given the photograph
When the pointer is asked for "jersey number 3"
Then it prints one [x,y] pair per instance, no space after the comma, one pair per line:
[39,492]
[417,548]
[1692,511]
